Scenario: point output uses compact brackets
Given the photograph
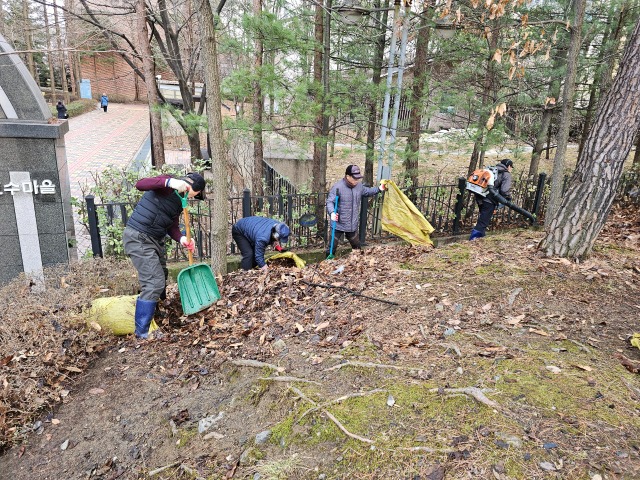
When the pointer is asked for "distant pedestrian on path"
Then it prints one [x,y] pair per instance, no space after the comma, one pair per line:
[155,216]
[62,110]
[104,102]
[253,235]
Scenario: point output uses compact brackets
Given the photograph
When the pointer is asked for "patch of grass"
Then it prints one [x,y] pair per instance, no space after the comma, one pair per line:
[257,392]
[491,269]
[185,436]
[362,348]
[280,469]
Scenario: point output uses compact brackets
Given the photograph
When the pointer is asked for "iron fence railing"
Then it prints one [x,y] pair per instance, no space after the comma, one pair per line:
[450,209]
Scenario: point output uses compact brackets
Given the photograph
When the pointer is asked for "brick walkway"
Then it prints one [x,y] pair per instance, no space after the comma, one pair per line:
[97,140]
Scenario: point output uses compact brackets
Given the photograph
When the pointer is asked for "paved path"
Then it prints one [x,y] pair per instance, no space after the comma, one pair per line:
[97,140]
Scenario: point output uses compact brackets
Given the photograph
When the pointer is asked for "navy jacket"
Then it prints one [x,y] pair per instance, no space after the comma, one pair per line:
[257,230]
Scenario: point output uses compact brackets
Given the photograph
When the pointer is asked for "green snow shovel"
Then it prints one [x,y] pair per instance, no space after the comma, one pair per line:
[196,283]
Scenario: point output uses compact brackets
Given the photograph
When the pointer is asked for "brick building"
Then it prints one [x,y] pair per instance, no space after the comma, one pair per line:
[110,74]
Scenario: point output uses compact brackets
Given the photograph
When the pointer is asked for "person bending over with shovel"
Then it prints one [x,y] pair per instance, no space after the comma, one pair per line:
[346,216]
[252,236]
[155,216]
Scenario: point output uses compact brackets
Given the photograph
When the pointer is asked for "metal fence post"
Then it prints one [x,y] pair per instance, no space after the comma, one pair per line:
[94,231]
[462,185]
[363,219]
[542,178]
[246,203]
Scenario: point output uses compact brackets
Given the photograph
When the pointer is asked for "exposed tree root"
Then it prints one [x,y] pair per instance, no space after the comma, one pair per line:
[289,379]
[342,428]
[350,363]
[474,392]
[256,364]
[340,399]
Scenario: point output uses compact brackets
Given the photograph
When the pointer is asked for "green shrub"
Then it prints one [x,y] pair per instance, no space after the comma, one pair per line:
[76,108]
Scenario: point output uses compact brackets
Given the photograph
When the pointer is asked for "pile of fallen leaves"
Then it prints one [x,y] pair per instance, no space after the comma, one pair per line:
[623,226]
[323,303]
[44,341]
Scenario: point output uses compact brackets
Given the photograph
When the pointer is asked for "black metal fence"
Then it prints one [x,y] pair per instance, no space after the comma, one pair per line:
[450,209]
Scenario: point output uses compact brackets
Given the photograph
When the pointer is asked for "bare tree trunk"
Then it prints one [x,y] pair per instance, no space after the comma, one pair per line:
[157,138]
[319,143]
[636,156]
[28,31]
[258,106]
[61,55]
[169,45]
[547,115]
[573,230]
[568,92]
[416,97]
[488,98]
[47,34]
[219,162]
[603,78]
[375,80]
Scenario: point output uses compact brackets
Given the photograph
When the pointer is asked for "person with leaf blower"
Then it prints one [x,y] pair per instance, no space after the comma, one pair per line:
[488,203]
[155,216]
[252,236]
[347,215]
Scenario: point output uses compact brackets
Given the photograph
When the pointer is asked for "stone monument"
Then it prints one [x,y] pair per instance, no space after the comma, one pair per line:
[36,220]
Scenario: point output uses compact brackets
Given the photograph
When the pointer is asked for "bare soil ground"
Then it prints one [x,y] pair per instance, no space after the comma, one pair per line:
[475,360]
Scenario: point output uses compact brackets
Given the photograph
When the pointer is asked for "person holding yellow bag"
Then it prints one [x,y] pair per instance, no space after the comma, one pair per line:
[347,215]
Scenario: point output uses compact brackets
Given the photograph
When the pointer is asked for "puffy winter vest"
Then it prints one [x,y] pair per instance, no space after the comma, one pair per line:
[155,213]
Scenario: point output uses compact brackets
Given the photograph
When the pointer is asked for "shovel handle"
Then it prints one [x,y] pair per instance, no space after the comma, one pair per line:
[188,228]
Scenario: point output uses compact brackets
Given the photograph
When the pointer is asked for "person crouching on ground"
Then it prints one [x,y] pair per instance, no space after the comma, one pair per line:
[347,217]
[487,205]
[155,216]
[252,236]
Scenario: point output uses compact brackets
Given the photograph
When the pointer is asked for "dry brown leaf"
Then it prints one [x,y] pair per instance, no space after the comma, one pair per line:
[497,56]
[322,326]
[539,332]
[73,369]
[586,368]
[515,320]
[96,391]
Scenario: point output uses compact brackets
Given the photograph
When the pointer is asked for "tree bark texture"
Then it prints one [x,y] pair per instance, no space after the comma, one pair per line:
[591,190]
[157,138]
[568,92]
[607,58]
[219,161]
[258,106]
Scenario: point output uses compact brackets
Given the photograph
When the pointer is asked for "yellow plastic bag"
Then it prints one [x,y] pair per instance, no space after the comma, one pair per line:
[401,217]
[116,314]
[300,263]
